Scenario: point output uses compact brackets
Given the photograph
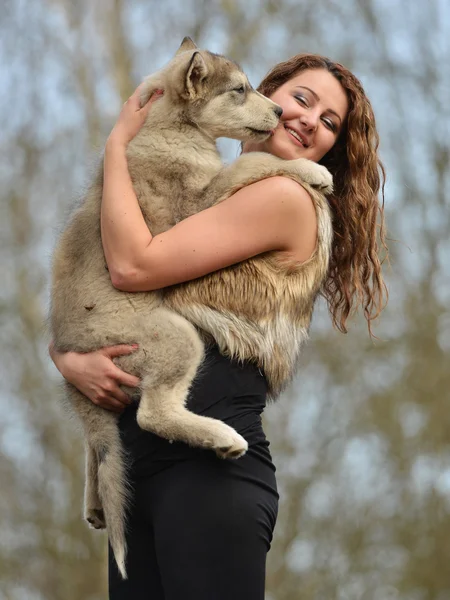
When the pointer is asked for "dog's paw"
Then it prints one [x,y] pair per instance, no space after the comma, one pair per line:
[236,450]
[229,444]
[317,176]
[95,517]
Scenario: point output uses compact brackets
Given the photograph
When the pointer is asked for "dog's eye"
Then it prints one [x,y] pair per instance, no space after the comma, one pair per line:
[240,89]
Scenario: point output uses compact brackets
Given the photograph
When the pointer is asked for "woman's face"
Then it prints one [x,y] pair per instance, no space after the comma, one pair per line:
[314,110]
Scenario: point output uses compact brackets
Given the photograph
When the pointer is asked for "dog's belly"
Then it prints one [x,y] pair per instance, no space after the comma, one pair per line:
[87,311]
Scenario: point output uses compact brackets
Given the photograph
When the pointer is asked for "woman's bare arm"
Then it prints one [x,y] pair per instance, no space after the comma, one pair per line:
[273,214]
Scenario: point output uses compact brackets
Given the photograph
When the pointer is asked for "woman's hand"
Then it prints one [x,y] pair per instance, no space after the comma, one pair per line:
[131,118]
[96,376]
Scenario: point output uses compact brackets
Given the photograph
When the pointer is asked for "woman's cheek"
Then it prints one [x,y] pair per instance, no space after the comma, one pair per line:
[289,109]
[329,142]
[293,110]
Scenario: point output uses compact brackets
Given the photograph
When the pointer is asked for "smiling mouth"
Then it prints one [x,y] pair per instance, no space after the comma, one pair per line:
[296,136]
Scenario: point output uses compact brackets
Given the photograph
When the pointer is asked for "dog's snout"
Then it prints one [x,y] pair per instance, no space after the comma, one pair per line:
[278,111]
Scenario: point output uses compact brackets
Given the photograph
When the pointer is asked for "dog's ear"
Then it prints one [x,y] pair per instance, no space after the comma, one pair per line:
[195,74]
[186,44]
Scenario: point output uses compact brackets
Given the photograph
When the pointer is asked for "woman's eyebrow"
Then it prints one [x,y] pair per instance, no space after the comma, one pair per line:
[330,110]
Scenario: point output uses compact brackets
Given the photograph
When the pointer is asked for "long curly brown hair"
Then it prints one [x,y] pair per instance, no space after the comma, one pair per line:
[355,277]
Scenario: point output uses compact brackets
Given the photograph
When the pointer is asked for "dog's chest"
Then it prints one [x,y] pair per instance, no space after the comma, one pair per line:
[168,194]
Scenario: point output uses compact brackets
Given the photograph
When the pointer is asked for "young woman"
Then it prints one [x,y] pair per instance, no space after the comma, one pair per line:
[200,527]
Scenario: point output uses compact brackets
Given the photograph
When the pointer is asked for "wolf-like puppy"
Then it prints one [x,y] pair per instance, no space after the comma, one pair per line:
[176,171]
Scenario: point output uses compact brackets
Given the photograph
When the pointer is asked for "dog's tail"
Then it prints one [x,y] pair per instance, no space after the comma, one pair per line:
[114,491]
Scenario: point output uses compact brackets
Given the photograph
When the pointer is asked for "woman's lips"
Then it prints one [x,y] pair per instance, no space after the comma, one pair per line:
[294,137]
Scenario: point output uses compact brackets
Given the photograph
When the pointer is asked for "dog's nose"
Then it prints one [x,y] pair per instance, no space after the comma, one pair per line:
[278,111]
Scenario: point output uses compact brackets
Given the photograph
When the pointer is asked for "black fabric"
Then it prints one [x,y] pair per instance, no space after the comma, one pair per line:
[200,527]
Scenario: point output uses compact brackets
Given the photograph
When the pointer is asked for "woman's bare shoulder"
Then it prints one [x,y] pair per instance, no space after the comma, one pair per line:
[300,232]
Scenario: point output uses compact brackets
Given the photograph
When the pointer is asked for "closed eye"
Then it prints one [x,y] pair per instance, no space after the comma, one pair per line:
[240,89]
[330,124]
[303,100]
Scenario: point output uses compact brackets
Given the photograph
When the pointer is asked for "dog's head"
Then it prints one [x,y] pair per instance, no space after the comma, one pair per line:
[214,94]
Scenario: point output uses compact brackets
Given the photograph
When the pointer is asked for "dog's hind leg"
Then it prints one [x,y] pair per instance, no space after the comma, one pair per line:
[106,458]
[162,411]
[93,509]
[113,490]
[168,375]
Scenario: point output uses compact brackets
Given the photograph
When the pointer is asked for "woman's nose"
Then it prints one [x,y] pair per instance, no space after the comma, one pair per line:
[309,122]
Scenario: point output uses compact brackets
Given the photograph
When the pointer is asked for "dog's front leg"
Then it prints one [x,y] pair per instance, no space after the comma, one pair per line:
[254,166]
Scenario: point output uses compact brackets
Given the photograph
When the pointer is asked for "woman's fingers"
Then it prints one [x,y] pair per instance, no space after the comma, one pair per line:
[131,118]
[136,97]
[156,95]
[120,376]
[124,378]
[111,404]
[102,379]
[111,397]
[119,350]
[111,389]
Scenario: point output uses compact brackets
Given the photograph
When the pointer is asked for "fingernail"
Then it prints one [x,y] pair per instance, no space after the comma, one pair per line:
[135,345]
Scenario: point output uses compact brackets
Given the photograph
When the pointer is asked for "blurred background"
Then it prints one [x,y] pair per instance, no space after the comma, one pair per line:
[362,438]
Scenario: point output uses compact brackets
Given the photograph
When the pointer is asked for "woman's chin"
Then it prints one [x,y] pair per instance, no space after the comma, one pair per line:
[281,148]
[285,150]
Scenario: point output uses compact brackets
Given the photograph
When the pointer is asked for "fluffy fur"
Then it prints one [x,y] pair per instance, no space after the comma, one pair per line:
[176,171]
